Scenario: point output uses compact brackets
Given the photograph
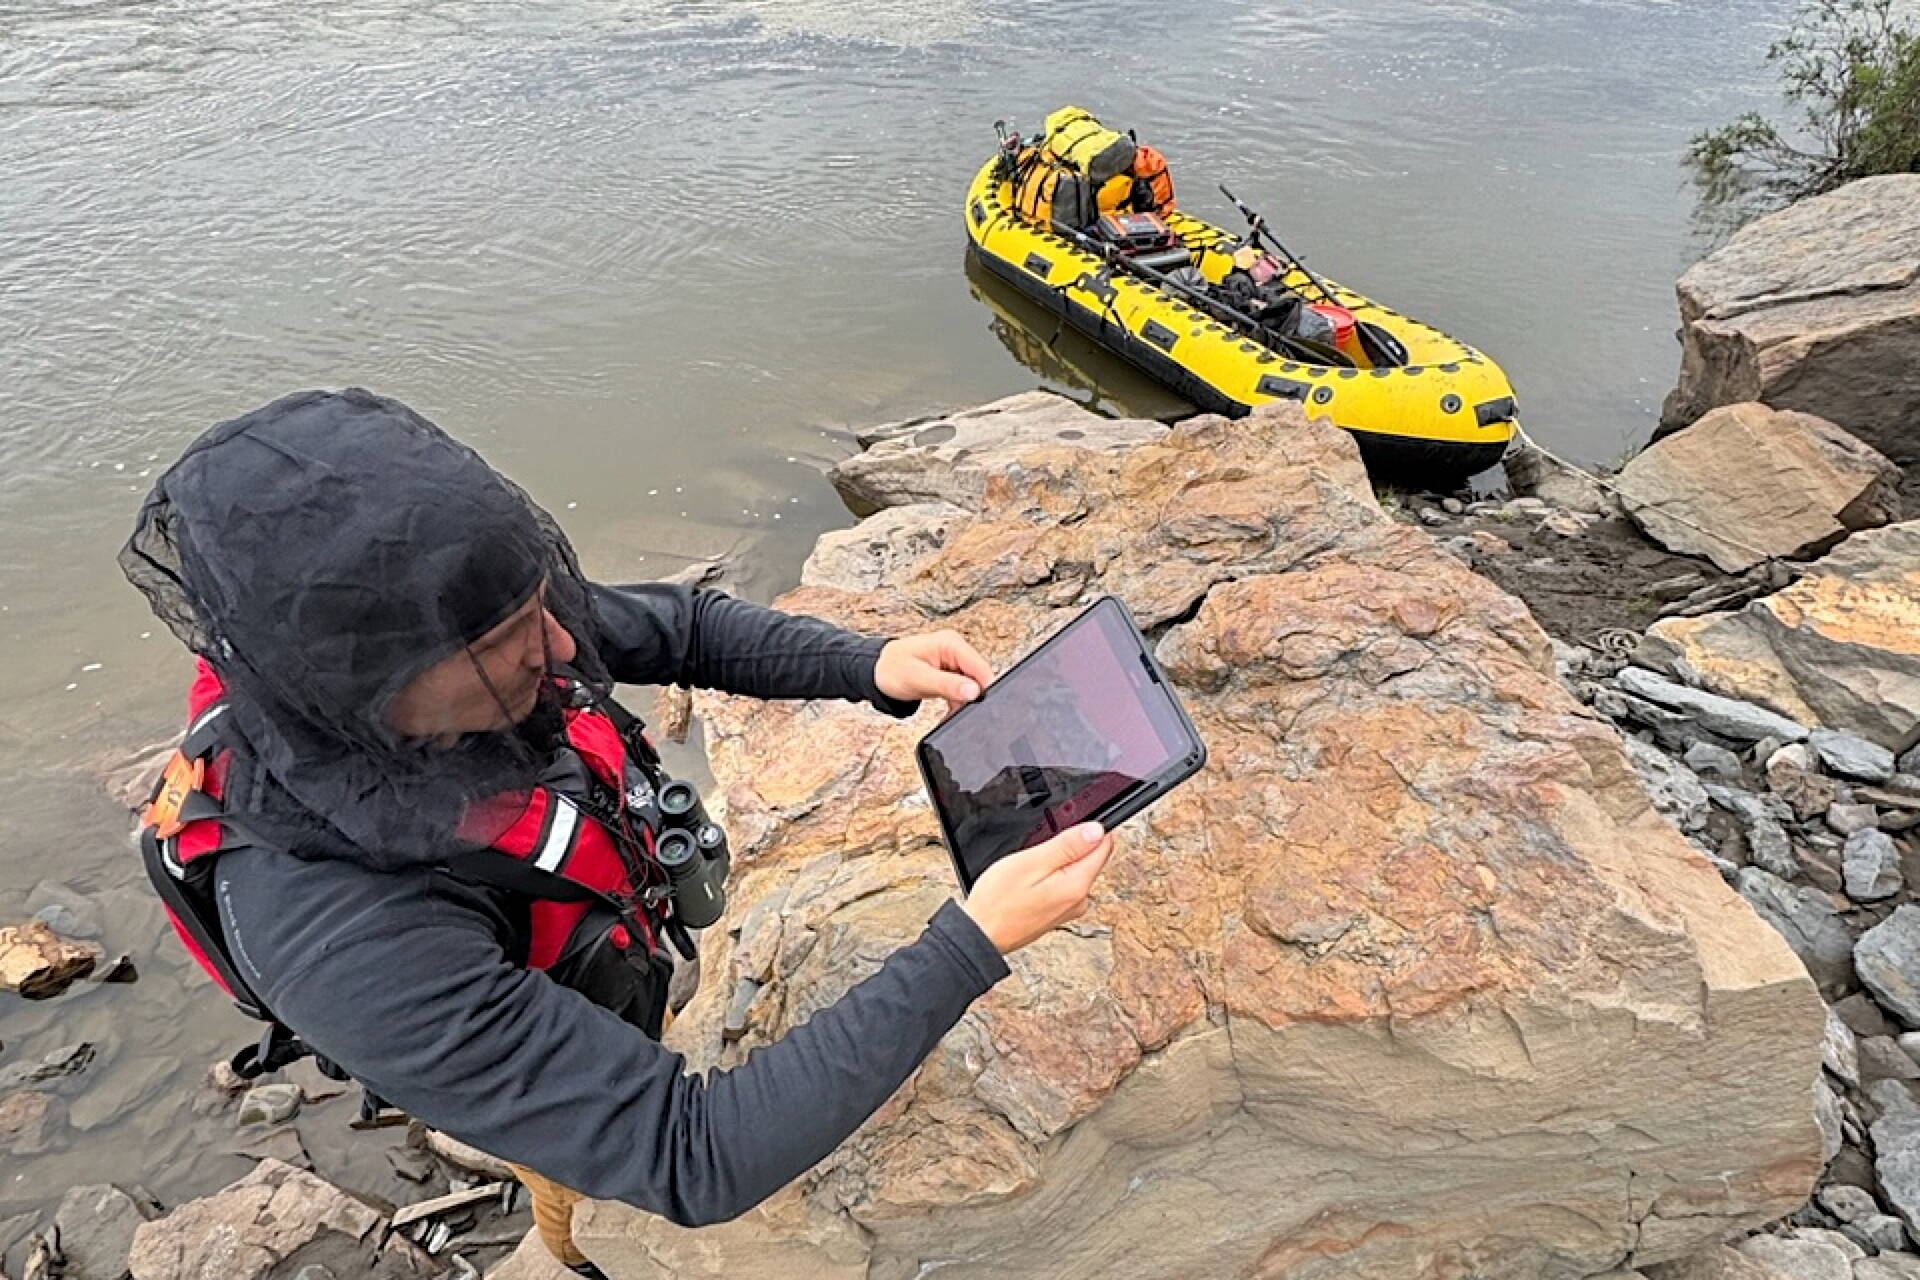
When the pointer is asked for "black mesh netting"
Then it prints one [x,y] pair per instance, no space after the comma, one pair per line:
[320,553]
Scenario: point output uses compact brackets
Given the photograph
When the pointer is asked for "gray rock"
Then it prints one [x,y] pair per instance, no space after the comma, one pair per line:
[96,1231]
[1864,1016]
[269,1104]
[1909,760]
[1430,517]
[1848,818]
[1882,1058]
[1883,1233]
[1618,706]
[65,910]
[1535,473]
[1706,758]
[1840,1052]
[1888,959]
[67,1060]
[1910,1042]
[1833,1239]
[1728,717]
[1888,1266]
[881,549]
[1807,919]
[1896,1145]
[1848,1204]
[1770,849]
[1453,506]
[1871,862]
[1851,756]
[1798,1259]
[1827,1112]
[1675,792]
[1793,755]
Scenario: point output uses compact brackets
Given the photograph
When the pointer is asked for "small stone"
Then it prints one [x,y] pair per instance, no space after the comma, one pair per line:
[1840,1052]
[96,1231]
[1489,543]
[269,1104]
[1888,961]
[1794,755]
[1527,504]
[1849,818]
[1863,1016]
[30,1121]
[1431,518]
[1885,1233]
[1706,758]
[1851,756]
[39,964]
[1798,1259]
[415,1164]
[1728,717]
[1882,1058]
[1453,506]
[1896,1144]
[67,1060]
[314,1271]
[1566,524]
[1826,1112]
[1871,863]
[1675,792]
[1848,1204]
[1769,848]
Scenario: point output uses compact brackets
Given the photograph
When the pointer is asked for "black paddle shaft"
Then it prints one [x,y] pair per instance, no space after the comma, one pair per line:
[1259,225]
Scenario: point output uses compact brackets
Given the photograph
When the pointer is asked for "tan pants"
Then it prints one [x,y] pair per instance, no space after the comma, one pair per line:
[553,1203]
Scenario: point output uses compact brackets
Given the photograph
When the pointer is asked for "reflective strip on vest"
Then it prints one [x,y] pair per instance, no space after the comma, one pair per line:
[563,822]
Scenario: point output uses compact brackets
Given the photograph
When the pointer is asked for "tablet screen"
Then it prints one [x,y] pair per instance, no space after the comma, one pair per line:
[1074,729]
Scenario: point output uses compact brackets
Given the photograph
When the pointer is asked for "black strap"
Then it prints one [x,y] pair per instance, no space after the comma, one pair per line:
[517,875]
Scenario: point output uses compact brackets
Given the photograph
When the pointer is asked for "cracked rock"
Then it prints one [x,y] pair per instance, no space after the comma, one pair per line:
[1871,862]
[1851,756]
[1888,959]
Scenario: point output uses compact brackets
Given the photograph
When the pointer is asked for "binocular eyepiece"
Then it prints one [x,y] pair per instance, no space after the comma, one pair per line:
[692,849]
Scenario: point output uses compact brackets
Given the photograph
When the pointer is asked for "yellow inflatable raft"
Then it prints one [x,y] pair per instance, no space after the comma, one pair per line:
[1425,408]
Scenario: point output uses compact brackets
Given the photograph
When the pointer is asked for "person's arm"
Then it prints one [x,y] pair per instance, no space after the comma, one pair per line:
[659,633]
[415,998]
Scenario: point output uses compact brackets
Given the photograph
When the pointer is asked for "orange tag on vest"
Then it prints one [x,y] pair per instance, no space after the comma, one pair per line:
[181,779]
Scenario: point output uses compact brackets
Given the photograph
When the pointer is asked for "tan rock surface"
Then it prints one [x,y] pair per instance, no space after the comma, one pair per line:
[266,1226]
[1817,308]
[38,963]
[1410,982]
[1839,648]
[1747,483]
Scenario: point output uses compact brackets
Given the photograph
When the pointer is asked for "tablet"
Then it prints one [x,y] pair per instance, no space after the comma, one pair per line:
[1083,729]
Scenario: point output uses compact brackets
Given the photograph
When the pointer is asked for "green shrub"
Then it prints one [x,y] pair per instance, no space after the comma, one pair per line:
[1852,67]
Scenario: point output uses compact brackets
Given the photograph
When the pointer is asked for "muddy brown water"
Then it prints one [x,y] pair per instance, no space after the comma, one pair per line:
[654,260]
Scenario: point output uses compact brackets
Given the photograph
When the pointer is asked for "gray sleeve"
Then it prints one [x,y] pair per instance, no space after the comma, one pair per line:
[658,633]
[418,1001]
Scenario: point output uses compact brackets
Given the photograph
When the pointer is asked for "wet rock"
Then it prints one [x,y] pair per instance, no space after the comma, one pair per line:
[1533,472]
[1817,308]
[1896,1145]
[282,1143]
[1674,790]
[67,1060]
[1851,756]
[1713,761]
[1840,1051]
[39,964]
[1478,913]
[30,1122]
[1849,818]
[1808,920]
[1746,484]
[1798,1259]
[1888,960]
[415,1164]
[1871,862]
[269,1104]
[1840,647]
[267,1226]
[1728,717]
[881,548]
[1882,1058]
[64,910]
[96,1230]
[948,459]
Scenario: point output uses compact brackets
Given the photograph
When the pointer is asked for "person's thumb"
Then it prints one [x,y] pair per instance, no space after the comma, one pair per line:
[955,688]
[1076,843]
[1081,873]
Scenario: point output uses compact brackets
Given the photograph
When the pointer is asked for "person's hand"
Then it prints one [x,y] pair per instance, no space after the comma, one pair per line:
[1028,893]
[934,664]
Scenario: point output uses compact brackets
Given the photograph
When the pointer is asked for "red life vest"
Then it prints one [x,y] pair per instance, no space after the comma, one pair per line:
[562,859]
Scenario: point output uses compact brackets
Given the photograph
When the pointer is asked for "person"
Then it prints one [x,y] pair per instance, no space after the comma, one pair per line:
[411,830]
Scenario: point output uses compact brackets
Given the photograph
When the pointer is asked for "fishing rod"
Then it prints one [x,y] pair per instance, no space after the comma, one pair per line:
[1259,225]
[1298,348]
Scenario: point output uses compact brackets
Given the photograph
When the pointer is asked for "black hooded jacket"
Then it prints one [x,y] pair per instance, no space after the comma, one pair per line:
[338,916]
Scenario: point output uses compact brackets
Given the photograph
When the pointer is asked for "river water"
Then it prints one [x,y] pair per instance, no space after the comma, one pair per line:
[655,260]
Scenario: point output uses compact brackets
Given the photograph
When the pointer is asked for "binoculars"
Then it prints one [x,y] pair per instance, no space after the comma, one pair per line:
[692,849]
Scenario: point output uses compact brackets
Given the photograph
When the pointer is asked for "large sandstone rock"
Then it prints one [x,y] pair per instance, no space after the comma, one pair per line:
[267,1226]
[1747,483]
[947,459]
[1410,982]
[1815,308]
[1839,648]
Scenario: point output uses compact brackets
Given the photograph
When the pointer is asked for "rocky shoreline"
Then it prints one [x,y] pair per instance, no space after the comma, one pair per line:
[1732,613]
